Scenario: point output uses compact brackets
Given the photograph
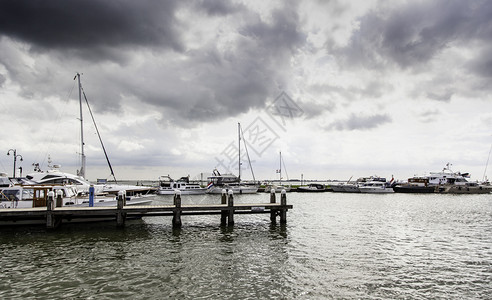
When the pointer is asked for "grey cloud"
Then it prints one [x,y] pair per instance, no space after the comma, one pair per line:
[372,89]
[412,34]
[428,116]
[203,84]
[218,7]
[482,63]
[93,29]
[445,96]
[223,83]
[360,122]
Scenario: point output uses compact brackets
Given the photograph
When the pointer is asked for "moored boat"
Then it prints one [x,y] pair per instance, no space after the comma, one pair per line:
[376,187]
[445,181]
[168,186]
[312,188]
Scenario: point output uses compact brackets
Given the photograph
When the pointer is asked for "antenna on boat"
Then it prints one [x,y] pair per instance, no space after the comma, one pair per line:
[81,172]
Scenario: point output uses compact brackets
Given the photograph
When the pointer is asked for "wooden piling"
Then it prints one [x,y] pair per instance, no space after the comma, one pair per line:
[283,210]
[50,218]
[59,198]
[121,215]
[177,210]
[273,212]
[230,205]
[223,213]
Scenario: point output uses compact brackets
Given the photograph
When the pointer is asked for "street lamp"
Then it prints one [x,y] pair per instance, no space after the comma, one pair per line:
[15,157]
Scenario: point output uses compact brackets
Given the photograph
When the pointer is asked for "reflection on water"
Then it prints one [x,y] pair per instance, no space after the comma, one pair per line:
[333,246]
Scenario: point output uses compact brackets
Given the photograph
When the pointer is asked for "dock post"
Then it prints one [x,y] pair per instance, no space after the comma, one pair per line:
[91,196]
[121,216]
[50,218]
[230,205]
[283,210]
[177,210]
[59,198]
[223,213]
[273,212]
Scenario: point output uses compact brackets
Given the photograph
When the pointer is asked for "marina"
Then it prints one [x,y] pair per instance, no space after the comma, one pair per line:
[380,112]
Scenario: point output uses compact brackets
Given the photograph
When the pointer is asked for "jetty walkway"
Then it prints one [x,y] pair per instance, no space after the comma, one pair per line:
[52,216]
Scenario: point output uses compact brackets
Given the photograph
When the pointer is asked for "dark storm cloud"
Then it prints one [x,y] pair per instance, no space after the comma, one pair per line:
[214,83]
[199,82]
[90,25]
[217,7]
[360,122]
[413,34]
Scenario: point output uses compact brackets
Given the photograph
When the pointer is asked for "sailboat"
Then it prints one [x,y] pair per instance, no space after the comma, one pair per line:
[55,176]
[231,182]
[279,187]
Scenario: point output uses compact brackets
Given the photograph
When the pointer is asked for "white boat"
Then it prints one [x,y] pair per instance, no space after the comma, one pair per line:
[230,182]
[54,176]
[278,188]
[345,188]
[29,196]
[167,186]
[312,188]
[376,187]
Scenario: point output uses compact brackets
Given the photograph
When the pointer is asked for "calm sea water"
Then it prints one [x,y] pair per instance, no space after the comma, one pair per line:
[339,246]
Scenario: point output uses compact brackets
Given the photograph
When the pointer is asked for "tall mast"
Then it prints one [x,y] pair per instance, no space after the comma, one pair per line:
[239,151]
[280,170]
[81,172]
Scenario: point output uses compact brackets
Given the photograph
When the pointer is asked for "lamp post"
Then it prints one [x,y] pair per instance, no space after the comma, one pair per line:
[15,158]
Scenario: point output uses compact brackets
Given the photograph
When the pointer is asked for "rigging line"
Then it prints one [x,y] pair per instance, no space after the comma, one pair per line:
[247,154]
[99,135]
[285,169]
[485,172]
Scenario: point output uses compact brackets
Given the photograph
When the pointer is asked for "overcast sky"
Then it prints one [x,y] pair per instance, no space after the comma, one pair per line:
[341,88]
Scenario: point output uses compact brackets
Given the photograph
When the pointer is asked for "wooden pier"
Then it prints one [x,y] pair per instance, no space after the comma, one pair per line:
[52,216]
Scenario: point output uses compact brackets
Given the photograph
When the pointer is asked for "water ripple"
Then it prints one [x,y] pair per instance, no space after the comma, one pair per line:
[334,246]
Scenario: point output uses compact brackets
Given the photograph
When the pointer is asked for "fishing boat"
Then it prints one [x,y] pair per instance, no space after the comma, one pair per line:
[167,186]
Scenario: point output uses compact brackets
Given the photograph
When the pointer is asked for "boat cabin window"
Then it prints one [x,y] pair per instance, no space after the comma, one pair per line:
[15,194]
[10,195]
